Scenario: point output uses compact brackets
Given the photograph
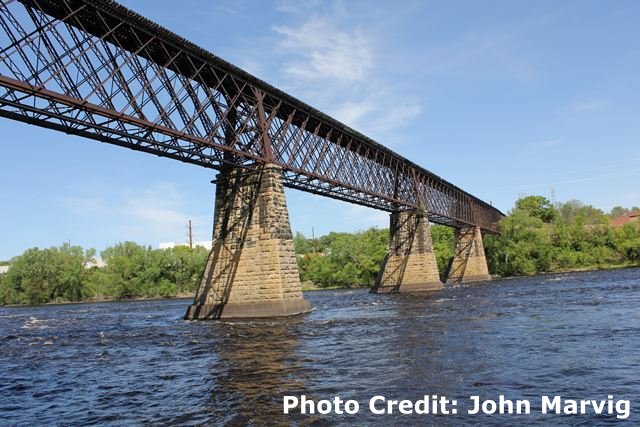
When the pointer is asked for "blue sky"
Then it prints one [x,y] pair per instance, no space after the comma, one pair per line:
[502,98]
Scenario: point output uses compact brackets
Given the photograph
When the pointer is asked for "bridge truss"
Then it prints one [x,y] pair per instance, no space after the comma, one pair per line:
[96,69]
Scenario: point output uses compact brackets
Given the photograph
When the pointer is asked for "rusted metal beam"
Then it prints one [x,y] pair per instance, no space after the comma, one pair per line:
[96,69]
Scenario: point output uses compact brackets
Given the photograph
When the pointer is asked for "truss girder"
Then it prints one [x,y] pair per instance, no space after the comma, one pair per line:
[95,69]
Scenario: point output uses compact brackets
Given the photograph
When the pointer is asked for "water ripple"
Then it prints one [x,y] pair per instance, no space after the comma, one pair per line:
[139,363]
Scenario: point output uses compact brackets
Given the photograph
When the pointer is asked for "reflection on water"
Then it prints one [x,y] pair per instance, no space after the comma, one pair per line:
[575,335]
[258,364]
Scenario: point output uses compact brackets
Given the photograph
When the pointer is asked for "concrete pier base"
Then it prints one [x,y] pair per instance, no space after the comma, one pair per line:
[252,269]
[410,265]
[469,263]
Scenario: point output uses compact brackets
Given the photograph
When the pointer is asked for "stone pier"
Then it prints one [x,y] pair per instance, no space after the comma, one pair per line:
[410,265]
[469,263]
[251,270]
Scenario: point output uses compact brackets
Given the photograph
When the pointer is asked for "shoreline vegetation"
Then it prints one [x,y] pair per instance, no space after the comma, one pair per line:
[537,237]
[311,288]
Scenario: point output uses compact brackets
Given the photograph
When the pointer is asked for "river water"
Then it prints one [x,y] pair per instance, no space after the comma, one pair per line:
[138,363]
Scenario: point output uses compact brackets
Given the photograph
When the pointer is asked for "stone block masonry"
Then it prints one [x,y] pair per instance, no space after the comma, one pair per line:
[410,264]
[469,263]
[252,269]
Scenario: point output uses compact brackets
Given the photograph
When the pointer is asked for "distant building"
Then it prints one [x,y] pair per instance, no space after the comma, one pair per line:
[96,262]
[4,269]
[633,216]
[207,244]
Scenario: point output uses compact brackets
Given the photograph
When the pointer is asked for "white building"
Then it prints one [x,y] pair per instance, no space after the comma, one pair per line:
[4,269]
[96,262]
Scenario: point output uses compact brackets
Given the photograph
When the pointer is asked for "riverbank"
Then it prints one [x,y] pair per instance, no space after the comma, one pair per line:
[105,300]
[309,287]
[574,270]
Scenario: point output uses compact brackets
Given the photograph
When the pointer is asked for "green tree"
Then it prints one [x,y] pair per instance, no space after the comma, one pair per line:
[136,271]
[522,247]
[632,249]
[347,259]
[43,275]
[537,207]
[443,245]
[301,244]
[618,211]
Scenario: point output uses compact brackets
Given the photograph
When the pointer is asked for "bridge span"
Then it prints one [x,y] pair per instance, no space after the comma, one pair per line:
[96,69]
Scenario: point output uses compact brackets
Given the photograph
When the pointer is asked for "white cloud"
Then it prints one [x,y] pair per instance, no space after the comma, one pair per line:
[297,6]
[376,118]
[323,51]
[230,7]
[397,116]
[368,217]
[158,208]
[352,112]
[333,68]
[251,66]
[154,215]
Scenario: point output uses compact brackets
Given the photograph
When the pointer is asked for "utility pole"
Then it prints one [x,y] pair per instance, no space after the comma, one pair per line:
[313,240]
[190,234]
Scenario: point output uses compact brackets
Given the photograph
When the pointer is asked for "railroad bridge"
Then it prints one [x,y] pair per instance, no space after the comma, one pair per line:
[96,69]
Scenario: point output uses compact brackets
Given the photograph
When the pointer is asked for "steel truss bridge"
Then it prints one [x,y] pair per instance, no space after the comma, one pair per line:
[96,69]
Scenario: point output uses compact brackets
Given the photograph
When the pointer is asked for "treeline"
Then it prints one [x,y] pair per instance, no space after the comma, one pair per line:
[341,259]
[536,236]
[354,259]
[66,273]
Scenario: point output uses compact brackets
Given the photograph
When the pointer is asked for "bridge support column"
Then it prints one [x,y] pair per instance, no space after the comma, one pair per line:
[251,270]
[410,265]
[469,263]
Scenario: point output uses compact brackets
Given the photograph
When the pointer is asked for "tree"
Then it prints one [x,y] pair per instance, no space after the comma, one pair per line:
[534,238]
[346,259]
[42,275]
[443,244]
[632,249]
[537,207]
[301,244]
[618,211]
[522,247]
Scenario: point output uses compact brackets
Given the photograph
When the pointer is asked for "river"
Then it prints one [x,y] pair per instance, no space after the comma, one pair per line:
[575,335]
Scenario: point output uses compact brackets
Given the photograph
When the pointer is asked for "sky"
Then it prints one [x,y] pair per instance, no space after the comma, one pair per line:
[502,98]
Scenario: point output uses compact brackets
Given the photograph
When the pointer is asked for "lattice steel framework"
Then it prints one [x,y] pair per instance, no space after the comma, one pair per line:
[96,69]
